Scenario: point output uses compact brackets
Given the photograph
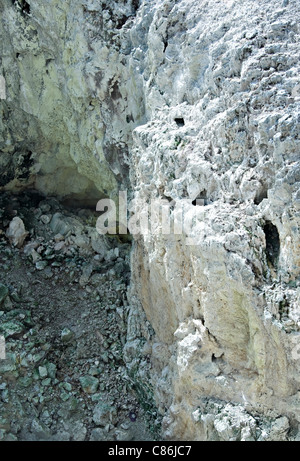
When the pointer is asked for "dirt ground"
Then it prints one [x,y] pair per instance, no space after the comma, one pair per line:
[63,312]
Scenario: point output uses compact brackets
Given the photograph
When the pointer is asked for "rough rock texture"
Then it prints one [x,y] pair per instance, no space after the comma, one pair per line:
[67,116]
[203,99]
[222,94]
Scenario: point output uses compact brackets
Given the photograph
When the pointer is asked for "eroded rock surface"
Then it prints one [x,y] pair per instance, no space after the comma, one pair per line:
[201,101]
[71,99]
[223,297]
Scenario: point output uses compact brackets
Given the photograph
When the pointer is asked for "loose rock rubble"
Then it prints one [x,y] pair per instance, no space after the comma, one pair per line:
[227,422]
[63,314]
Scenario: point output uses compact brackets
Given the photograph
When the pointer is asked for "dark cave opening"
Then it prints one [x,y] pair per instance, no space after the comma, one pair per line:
[272,243]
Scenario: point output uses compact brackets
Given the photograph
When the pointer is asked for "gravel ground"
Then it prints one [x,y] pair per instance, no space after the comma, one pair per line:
[63,314]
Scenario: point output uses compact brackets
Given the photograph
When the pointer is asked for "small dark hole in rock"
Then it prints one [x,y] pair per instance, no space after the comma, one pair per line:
[115,94]
[129,118]
[216,359]
[121,22]
[179,121]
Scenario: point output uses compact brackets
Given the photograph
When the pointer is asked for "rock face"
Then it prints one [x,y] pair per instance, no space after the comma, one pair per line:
[202,100]
[223,297]
[65,106]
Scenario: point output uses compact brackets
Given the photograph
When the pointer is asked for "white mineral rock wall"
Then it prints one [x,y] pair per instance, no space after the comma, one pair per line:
[222,99]
[201,100]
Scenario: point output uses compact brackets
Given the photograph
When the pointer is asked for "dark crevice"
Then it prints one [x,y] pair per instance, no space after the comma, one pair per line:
[115,93]
[179,121]
[129,118]
[283,306]
[272,243]
[121,22]
[23,6]
[165,42]
[17,166]
[24,167]
[135,5]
